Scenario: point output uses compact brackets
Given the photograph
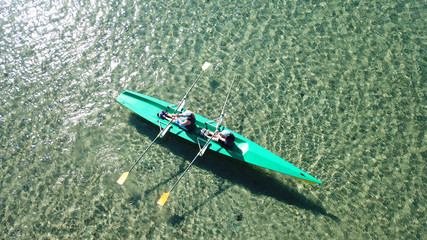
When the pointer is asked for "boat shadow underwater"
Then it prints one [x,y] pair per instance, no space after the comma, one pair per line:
[253,178]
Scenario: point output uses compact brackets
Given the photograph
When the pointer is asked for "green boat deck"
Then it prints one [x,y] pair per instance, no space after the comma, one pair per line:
[245,150]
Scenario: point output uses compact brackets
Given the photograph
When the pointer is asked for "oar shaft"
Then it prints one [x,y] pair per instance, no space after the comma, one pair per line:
[194,159]
[185,171]
[228,95]
[225,103]
[146,150]
[207,143]
[183,99]
[192,86]
[204,67]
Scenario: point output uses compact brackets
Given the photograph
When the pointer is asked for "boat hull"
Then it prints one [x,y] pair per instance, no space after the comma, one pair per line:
[244,150]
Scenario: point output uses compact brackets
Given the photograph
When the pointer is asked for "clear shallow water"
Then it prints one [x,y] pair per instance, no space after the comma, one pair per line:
[338,89]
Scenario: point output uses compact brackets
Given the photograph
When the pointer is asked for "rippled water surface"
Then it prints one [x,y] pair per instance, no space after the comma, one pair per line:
[337,88]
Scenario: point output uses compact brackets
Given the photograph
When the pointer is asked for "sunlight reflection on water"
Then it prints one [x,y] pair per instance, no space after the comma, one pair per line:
[335,88]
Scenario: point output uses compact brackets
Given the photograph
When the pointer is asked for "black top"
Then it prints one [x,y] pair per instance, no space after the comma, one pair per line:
[193,123]
[229,142]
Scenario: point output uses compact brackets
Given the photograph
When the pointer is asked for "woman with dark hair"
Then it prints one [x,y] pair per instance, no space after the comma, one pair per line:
[225,138]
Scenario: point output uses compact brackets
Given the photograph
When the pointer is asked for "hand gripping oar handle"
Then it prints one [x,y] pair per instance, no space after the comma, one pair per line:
[124,176]
[165,196]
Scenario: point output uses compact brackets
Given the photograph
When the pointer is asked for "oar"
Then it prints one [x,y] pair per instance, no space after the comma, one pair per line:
[125,175]
[223,108]
[205,66]
[165,196]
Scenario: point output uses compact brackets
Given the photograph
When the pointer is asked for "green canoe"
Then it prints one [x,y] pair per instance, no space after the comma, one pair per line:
[245,150]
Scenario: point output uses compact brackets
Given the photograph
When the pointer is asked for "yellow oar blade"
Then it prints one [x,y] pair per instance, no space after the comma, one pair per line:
[163,199]
[122,179]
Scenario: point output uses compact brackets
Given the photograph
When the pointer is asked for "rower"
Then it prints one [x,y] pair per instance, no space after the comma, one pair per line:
[185,120]
[225,138]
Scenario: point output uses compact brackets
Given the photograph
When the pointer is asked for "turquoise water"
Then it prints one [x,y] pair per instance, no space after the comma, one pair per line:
[337,88]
